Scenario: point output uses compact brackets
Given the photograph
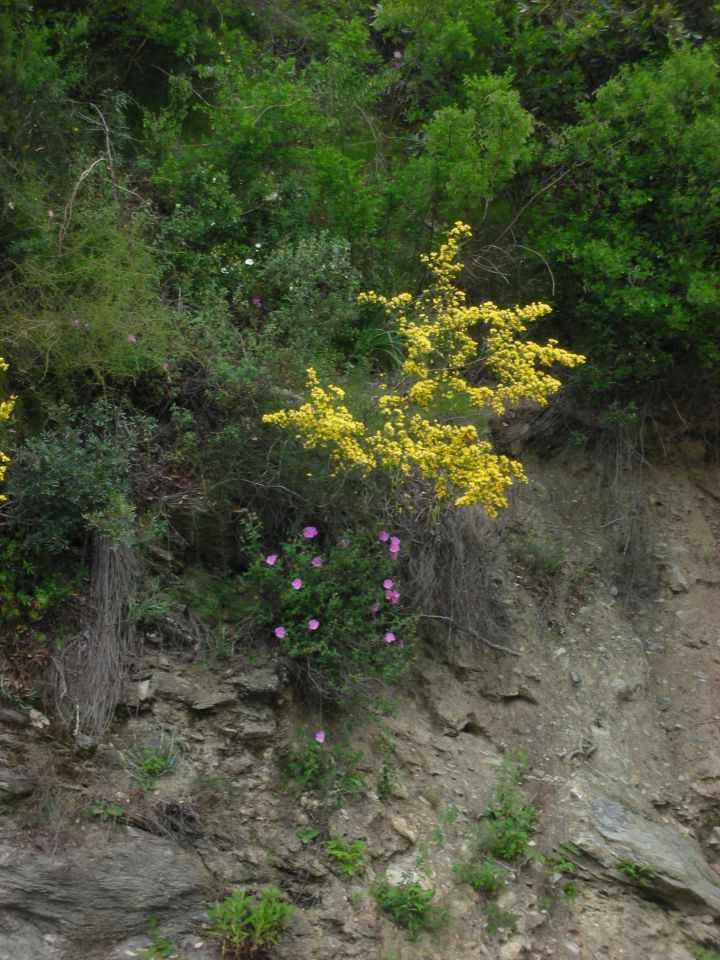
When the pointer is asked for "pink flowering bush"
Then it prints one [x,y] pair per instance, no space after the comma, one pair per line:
[335,611]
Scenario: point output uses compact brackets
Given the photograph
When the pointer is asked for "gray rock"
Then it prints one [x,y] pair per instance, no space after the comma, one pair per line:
[575,675]
[14,784]
[261,683]
[610,832]
[663,702]
[104,891]
[676,579]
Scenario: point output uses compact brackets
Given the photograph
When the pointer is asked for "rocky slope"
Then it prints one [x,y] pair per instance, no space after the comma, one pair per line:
[609,580]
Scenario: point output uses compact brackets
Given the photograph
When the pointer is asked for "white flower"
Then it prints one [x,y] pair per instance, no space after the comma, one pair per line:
[257,246]
[223,269]
[249,262]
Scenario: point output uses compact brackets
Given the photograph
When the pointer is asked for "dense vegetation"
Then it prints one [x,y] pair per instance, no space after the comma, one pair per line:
[193,195]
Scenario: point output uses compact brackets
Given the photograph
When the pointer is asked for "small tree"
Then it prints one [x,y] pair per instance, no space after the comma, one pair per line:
[412,439]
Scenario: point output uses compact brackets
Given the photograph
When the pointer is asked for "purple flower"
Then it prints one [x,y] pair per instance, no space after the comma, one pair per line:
[316,561]
[271,559]
[375,607]
[394,596]
[389,637]
[320,736]
[394,544]
[383,536]
[296,583]
[313,624]
[279,632]
[132,337]
[388,584]
[257,302]
[309,532]
[397,54]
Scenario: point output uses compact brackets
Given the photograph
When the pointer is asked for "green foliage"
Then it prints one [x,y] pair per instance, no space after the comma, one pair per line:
[410,906]
[245,925]
[500,919]
[484,876]
[702,954]
[62,479]
[509,821]
[29,588]
[147,764]
[640,158]
[307,834]
[638,873]
[340,626]
[332,773]
[107,811]
[348,853]
[388,780]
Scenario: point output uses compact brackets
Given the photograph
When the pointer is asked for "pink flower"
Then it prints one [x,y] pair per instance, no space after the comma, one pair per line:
[75,321]
[320,736]
[257,302]
[394,544]
[296,583]
[394,554]
[316,561]
[375,607]
[313,624]
[166,365]
[309,532]
[271,559]
[394,596]
[389,637]
[132,337]
[279,632]
[402,644]
[383,536]
[397,54]
[388,584]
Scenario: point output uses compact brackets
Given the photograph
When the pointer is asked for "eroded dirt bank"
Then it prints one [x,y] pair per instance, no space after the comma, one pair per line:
[609,585]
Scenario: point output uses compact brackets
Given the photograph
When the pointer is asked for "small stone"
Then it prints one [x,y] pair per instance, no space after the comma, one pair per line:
[663,702]
[575,675]
[676,579]
[400,826]
[570,950]
[613,590]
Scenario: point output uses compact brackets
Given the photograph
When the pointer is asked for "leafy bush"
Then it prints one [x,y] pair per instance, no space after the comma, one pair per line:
[334,612]
[410,906]
[486,875]
[641,157]
[348,853]
[247,925]
[508,823]
[62,477]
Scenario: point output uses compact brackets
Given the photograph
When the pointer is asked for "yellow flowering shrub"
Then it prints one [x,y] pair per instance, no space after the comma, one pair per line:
[435,327]
[6,407]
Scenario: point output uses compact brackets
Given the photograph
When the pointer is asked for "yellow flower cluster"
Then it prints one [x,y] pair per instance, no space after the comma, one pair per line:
[6,407]
[435,327]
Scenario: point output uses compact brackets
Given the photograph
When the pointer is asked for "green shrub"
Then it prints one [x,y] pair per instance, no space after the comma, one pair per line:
[540,551]
[486,875]
[509,821]
[348,853]
[500,919]
[62,479]
[410,906]
[332,613]
[247,925]
[630,227]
